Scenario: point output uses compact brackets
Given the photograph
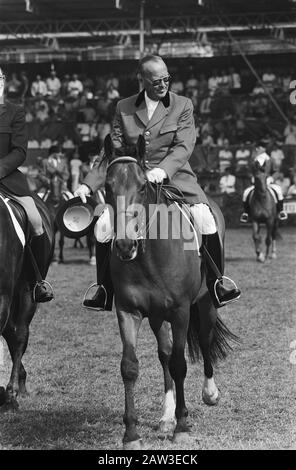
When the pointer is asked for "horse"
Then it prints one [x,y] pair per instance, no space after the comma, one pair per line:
[263,211]
[54,198]
[17,306]
[156,277]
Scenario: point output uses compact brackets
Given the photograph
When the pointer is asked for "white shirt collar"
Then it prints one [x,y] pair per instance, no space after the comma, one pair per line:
[151,105]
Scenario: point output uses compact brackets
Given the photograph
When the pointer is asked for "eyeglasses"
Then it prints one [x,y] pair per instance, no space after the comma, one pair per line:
[157,83]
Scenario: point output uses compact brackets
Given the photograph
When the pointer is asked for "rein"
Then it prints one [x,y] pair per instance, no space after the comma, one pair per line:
[168,191]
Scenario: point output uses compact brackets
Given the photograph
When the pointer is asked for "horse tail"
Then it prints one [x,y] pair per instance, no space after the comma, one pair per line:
[219,336]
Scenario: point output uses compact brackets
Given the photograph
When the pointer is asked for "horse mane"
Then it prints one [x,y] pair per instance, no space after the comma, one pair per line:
[167,192]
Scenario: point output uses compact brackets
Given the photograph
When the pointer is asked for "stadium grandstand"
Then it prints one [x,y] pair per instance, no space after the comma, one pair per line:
[69,62]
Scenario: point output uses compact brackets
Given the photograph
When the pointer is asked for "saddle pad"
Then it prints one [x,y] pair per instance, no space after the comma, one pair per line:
[17,227]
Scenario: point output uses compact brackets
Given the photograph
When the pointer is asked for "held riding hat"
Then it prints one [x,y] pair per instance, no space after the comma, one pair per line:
[75,219]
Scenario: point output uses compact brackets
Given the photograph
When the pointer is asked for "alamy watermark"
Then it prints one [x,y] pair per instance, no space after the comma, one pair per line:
[292,357]
[2,353]
[292,96]
[153,221]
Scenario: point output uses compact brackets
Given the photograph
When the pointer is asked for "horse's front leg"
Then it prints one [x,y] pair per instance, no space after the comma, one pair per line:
[129,324]
[161,330]
[91,244]
[61,247]
[257,241]
[178,370]
[273,240]
[268,239]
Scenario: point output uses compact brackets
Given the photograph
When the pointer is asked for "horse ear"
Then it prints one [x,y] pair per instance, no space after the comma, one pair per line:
[108,146]
[141,148]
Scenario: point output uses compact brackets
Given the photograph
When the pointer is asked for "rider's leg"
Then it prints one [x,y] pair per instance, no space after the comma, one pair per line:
[213,256]
[245,215]
[38,250]
[103,298]
[280,201]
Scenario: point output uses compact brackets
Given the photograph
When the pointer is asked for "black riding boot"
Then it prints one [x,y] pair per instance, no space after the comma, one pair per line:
[214,269]
[38,252]
[245,215]
[103,298]
[280,209]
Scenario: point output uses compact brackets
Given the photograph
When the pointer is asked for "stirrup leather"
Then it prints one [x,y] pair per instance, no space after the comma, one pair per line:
[35,287]
[221,304]
[87,291]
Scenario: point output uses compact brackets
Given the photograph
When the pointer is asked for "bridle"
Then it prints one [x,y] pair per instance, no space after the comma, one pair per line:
[143,227]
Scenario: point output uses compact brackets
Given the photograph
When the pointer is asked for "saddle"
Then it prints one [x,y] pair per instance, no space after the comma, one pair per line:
[18,216]
[22,218]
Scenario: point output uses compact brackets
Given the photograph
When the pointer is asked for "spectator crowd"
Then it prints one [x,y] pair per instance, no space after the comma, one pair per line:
[232,110]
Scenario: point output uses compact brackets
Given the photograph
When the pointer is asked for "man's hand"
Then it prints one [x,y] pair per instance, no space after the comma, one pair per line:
[82,192]
[156,175]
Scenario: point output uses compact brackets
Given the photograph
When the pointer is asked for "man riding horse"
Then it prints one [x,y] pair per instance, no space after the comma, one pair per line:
[13,147]
[56,166]
[166,121]
[264,161]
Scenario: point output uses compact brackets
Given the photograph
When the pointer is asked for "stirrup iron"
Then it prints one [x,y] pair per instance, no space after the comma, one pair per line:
[35,287]
[87,291]
[221,304]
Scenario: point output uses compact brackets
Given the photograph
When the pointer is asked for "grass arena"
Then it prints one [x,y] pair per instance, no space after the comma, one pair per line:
[76,395]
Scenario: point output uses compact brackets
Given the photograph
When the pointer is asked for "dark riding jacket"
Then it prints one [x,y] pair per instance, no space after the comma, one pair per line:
[170,138]
[13,148]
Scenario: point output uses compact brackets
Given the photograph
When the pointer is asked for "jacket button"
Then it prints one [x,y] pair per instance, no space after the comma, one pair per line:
[147,133]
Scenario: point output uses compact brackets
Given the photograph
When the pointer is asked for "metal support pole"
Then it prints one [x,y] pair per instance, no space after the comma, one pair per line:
[142,27]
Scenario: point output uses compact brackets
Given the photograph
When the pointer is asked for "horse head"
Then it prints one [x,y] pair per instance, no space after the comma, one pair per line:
[125,187]
[260,176]
[56,189]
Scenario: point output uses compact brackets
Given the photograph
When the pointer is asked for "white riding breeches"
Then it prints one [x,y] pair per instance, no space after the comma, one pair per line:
[103,229]
[204,222]
[273,186]
[278,191]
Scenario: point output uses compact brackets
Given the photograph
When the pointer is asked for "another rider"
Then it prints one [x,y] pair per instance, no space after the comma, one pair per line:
[264,159]
[166,121]
[13,147]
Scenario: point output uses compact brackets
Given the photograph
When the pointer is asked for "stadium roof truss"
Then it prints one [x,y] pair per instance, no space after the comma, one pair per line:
[103,27]
[63,25]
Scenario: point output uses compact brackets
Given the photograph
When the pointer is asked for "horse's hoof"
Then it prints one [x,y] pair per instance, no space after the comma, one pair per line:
[24,393]
[54,263]
[167,427]
[2,396]
[133,445]
[261,258]
[185,439]
[211,399]
[93,261]
[273,256]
